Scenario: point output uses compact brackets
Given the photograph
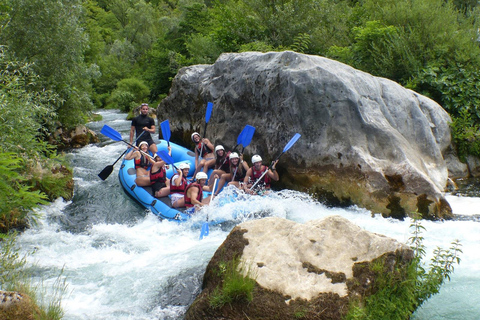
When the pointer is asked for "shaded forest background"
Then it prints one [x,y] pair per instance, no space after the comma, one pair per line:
[62,59]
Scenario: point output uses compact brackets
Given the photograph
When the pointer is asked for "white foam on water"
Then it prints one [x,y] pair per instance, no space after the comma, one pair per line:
[465,206]
[120,271]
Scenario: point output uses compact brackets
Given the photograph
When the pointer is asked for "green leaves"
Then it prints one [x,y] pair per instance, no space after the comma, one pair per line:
[16,198]
[400,289]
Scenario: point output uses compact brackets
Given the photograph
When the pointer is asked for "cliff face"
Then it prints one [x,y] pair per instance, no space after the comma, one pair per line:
[318,267]
[365,140]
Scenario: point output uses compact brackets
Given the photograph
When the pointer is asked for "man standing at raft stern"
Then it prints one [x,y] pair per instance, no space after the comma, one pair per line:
[146,124]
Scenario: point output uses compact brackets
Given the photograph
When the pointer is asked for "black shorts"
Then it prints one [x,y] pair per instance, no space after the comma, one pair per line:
[158,185]
[149,141]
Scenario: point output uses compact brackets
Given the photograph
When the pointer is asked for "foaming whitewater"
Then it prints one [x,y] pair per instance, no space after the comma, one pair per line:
[122,262]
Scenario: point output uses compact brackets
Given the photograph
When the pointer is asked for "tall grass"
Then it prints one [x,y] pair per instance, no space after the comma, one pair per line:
[235,285]
[14,276]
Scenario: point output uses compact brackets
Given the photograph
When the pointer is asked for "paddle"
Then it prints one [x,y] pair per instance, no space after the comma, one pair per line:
[247,138]
[208,114]
[115,135]
[205,230]
[288,146]
[165,126]
[109,169]
[167,158]
[244,138]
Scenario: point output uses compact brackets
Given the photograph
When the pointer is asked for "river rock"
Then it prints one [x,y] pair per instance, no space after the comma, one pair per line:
[77,137]
[365,140]
[317,267]
[16,306]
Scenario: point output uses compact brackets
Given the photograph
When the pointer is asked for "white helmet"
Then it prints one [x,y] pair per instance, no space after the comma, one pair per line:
[256,158]
[183,165]
[234,155]
[194,134]
[219,147]
[143,142]
[201,175]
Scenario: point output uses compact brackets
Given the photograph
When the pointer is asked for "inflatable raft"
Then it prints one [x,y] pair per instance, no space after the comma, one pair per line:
[144,195]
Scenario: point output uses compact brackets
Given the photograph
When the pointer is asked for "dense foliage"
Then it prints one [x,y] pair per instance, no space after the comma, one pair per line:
[116,54]
[399,292]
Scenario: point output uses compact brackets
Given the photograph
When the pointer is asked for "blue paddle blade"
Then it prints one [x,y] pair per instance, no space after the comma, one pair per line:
[292,142]
[205,231]
[111,133]
[166,157]
[241,136]
[208,114]
[247,138]
[165,127]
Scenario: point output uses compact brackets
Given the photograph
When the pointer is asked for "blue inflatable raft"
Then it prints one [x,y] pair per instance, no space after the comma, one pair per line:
[144,195]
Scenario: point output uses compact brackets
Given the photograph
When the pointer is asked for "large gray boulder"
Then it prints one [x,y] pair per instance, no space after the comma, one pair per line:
[365,140]
[320,267]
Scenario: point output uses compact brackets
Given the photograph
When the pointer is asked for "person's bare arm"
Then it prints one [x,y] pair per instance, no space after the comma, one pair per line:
[132,133]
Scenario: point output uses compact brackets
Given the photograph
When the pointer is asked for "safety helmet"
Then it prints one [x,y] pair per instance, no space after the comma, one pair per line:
[143,142]
[183,165]
[256,158]
[194,134]
[234,155]
[219,147]
[201,175]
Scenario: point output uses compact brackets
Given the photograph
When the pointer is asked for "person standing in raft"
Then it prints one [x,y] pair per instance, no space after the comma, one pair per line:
[222,164]
[238,170]
[178,185]
[194,192]
[158,176]
[142,163]
[146,124]
[255,172]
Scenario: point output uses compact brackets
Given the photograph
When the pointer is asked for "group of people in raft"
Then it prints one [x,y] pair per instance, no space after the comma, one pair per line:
[228,167]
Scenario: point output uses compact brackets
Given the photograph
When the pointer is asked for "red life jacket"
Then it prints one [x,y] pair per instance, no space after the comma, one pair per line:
[223,163]
[142,162]
[265,183]
[188,201]
[178,189]
[160,175]
[204,151]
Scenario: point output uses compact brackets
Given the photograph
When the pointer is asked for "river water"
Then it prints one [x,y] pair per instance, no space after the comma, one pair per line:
[120,262]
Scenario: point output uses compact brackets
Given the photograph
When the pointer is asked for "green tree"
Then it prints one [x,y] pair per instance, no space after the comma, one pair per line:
[49,34]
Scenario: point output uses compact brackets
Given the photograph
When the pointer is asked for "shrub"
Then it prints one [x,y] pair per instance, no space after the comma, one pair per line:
[399,293]
[128,94]
[16,197]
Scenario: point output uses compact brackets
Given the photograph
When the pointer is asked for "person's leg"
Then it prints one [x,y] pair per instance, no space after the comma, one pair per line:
[165,191]
[153,148]
[223,179]
[178,200]
[211,181]
[143,181]
[199,168]
[208,164]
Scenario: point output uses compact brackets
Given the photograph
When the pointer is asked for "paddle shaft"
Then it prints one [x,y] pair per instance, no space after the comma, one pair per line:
[127,149]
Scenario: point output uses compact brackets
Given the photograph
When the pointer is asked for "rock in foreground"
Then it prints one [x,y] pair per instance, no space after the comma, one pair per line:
[315,268]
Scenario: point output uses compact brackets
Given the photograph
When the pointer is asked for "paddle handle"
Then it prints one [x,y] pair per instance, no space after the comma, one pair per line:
[213,190]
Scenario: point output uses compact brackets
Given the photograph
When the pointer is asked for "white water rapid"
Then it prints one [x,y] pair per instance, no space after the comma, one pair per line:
[121,262]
